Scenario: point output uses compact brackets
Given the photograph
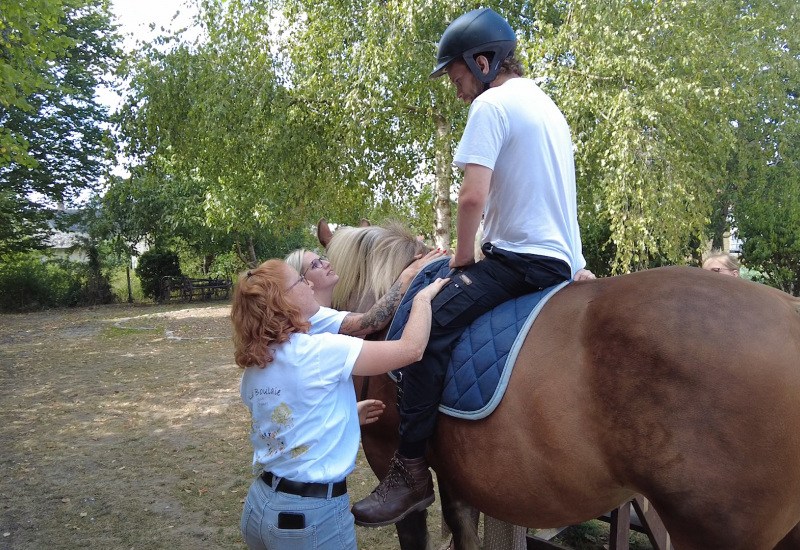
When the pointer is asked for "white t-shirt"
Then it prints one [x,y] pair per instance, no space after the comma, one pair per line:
[516,130]
[303,408]
[327,320]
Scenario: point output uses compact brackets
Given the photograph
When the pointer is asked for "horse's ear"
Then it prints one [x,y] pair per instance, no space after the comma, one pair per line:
[324,233]
[364,223]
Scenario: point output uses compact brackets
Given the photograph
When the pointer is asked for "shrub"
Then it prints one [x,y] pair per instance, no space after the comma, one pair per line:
[31,281]
[153,266]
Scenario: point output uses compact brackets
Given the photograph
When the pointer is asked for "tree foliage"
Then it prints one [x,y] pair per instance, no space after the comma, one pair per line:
[683,115]
[53,57]
[762,197]
[28,284]
[31,34]
[153,266]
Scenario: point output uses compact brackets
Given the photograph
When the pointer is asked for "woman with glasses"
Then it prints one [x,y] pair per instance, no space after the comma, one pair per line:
[317,269]
[722,263]
[298,388]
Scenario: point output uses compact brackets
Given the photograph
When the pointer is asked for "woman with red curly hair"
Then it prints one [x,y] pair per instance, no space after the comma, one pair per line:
[299,390]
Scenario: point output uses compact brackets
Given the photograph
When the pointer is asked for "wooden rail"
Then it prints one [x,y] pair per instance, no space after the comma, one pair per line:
[188,288]
[637,515]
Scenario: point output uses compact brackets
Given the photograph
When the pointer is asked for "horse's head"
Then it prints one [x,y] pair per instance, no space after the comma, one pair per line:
[368,260]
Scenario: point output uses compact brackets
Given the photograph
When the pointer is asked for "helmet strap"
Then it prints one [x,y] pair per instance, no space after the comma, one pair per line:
[501,51]
[475,69]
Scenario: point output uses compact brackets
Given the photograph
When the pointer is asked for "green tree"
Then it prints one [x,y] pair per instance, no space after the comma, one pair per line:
[325,108]
[213,129]
[226,124]
[21,226]
[31,34]
[762,197]
[768,216]
[53,57]
[112,223]
[370,62]
[652,91]
[154,266]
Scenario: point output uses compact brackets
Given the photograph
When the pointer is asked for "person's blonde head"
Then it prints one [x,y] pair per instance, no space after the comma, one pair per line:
[723,263]
[295,259]
[262,315]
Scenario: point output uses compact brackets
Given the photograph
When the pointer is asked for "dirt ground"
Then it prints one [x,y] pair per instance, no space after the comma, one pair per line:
[121,427]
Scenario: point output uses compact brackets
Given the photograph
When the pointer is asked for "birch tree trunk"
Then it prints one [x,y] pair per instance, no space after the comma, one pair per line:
[444,173]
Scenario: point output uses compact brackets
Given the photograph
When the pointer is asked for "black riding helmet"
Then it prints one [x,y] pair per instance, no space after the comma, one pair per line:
[476,32]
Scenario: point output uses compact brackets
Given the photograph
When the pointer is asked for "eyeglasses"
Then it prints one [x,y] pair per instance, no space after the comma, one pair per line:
[302,278]
[316,264]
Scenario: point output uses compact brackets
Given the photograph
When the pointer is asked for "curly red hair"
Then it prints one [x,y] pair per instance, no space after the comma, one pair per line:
[261,314]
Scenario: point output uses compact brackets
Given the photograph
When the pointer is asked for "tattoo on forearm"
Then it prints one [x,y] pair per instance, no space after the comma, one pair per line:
[378,316]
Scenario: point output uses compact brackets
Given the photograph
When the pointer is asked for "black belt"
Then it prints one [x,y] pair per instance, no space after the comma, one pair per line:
[317,490]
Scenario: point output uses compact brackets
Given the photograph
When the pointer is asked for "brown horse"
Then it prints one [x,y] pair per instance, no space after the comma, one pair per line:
[674,383]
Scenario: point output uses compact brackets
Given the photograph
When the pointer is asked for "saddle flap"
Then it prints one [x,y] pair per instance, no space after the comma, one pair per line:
[484,354]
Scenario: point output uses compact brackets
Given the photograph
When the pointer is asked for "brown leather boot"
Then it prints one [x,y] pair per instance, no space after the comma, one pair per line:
[408,487]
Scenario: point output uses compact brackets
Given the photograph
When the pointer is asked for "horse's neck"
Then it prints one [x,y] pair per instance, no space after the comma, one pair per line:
[360,304]
[361,385]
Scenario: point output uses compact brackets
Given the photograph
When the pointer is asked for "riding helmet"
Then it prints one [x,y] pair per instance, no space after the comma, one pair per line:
[476,32]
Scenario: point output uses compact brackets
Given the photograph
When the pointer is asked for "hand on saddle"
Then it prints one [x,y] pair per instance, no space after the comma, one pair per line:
[584,275]
[416,266]
[429,292]
[458,261]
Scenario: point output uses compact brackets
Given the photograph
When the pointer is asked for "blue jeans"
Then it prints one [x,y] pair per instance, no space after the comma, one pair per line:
[329,523]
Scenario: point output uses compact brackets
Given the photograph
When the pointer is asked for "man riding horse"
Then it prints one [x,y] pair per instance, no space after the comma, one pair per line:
[519,174]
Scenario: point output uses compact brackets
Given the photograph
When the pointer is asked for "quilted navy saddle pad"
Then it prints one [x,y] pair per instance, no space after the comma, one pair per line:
[484,355]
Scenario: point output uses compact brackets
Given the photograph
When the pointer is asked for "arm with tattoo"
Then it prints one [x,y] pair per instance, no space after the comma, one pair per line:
[379,315]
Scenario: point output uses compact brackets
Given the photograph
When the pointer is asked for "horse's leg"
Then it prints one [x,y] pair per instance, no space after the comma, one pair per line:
[790,541]
[379,441]
[412,531]
[458,516]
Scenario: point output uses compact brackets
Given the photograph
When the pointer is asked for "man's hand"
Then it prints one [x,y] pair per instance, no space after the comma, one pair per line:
[458,261]
[584,275]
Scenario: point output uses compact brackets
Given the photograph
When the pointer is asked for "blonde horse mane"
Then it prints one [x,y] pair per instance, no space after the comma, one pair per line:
[368,261]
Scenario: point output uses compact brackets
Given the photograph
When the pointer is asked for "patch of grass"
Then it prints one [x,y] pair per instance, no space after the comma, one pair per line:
[112,332]
[119,286]
[593,535]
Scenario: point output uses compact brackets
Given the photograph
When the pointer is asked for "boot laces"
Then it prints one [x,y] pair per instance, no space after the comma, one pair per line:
[397,473]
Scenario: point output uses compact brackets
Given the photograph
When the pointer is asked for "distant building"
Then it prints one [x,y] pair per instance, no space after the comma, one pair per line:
[63,244]
[735,245]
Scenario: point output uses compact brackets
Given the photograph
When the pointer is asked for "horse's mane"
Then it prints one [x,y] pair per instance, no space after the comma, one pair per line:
[368,261]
